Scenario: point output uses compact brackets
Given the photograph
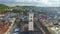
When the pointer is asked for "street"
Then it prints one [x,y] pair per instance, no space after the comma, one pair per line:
[44,28]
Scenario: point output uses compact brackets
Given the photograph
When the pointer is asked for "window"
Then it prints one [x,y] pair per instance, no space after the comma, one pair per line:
[30,20]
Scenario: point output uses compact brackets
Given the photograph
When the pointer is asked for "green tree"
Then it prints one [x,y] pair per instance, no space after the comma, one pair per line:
[24,13]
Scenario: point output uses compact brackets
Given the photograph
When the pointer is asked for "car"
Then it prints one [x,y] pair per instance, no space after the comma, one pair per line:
[16,31]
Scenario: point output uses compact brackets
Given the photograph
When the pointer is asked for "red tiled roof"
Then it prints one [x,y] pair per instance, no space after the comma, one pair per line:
[4,29]
[8,24]
[6,12]
[3,20]
[1,24]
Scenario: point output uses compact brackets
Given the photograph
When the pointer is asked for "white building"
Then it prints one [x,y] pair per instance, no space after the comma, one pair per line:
[30,25]
[56,30]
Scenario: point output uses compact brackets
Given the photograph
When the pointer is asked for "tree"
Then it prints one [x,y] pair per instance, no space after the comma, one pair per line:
[3,6]
[15,11]
[24,13]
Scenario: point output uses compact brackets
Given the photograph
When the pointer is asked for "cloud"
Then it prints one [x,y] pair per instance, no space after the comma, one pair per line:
[26,0]
[43,3]
[53,3]
[19,0]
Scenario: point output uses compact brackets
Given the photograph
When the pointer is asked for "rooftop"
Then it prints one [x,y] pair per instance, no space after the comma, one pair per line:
[4,26]
[5,22]
[54,29]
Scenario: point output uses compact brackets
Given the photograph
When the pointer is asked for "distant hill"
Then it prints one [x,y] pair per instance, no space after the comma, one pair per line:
[3,6]
[34,8]
[25,6]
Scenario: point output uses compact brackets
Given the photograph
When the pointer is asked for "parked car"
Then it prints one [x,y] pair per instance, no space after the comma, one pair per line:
[16,31]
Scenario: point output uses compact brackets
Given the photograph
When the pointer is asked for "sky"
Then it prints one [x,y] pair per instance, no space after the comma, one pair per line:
[41,3]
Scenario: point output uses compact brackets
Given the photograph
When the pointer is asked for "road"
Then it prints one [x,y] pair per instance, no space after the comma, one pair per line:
[30,32]
[37,29]
[14,26]
[44,28]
